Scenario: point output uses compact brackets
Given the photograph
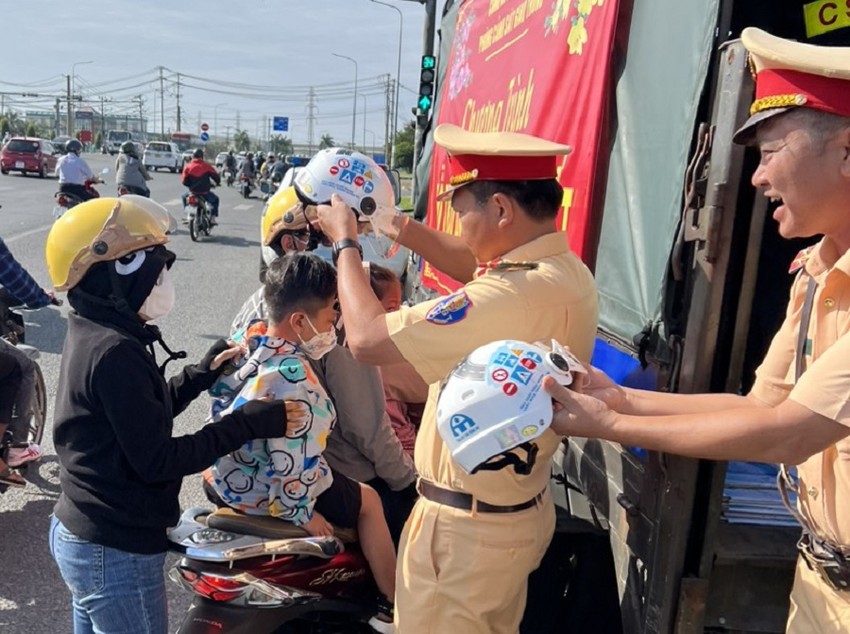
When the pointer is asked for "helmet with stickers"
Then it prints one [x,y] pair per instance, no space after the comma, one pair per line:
[493,402]
[361,183]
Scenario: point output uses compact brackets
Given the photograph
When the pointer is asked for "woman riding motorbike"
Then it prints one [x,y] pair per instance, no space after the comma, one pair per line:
[130,172]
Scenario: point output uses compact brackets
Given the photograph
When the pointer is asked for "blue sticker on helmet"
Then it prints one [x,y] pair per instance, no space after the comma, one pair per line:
[462,426]
[449,310]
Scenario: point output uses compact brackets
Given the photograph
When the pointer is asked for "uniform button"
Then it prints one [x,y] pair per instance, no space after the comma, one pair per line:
[829,302]
[813,493]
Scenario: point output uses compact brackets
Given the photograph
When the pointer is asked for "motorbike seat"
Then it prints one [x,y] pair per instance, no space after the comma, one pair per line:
[226,519]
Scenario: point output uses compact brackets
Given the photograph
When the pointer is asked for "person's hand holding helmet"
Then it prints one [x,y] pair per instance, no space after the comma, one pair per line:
[337,221]
[577,414]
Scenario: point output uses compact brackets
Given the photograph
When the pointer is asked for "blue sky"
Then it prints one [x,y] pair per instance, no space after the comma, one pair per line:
[285,45]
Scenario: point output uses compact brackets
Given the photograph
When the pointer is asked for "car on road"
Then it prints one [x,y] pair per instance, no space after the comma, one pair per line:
[220,158]
[28,155]
[162,154]
[187,156]
[59,143]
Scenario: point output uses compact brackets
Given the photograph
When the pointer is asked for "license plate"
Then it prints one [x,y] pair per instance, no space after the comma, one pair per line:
[19,165]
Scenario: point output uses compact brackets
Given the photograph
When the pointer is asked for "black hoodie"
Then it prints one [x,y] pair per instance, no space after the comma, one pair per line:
[120,468]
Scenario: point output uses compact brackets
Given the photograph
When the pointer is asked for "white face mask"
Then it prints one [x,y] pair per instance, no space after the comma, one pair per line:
[320,345]
[161,299]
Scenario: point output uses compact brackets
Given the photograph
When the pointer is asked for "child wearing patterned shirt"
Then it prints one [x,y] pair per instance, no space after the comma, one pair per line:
[288,477]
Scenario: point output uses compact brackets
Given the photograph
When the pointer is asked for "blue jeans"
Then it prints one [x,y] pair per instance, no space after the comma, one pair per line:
[210,197]
[113,591]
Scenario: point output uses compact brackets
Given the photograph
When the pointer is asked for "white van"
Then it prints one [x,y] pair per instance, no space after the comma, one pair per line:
[114,139]
[162,154]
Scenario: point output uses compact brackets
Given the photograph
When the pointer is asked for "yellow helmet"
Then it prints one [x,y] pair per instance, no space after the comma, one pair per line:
[285,212]
[99,230]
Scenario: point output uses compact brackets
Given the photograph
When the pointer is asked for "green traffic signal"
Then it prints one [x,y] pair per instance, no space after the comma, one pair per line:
[429,61]
[425,102]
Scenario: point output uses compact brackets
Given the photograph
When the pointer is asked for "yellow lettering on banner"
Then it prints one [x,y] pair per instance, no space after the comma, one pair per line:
[509,22]
[824,16]
[566,203]
[519,103]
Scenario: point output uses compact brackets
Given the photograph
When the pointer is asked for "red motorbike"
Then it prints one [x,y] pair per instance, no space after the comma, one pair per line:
[66,200]
[263,575]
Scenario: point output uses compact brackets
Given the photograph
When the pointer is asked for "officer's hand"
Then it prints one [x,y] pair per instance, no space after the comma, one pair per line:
[336,220]
[318,526]
[577,414]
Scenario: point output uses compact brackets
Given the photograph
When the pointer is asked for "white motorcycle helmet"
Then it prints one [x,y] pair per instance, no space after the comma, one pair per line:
[356,178]
[493,402]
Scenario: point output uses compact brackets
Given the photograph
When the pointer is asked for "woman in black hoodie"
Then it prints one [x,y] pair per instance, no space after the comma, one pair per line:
[121,469]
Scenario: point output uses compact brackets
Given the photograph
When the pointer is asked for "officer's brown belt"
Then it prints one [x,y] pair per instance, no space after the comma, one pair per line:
[464,501]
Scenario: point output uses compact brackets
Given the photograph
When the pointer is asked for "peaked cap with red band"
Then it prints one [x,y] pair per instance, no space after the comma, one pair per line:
[794,75]
[496,156]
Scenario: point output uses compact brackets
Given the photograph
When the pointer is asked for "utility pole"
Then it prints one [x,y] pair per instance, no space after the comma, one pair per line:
[179,118]
[102,116]
[388,104]
[238,125]
[68,121]
[427,49]
[141,115]
[161,105]
[311,118]
[57,116]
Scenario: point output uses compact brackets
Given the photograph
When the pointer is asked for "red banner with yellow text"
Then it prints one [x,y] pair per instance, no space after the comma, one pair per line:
[540,67]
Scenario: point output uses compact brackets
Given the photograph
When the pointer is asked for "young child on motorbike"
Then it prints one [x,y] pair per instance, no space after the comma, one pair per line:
[288,477]
[404,390]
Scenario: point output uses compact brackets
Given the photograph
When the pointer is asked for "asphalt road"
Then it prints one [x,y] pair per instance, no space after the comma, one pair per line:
[212,279]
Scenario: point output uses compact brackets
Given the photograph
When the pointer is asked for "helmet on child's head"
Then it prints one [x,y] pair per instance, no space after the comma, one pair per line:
[493,402]
[100,230]
[285,212]
[361,183]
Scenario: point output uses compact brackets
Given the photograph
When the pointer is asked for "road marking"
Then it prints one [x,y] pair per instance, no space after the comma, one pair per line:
[240,207]
[25,234]
[174,202]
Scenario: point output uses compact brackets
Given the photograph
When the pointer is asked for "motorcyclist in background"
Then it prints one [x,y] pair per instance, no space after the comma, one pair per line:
[247,168]
[363,447]
[130,173]
[73,171]
[199,176]
[17,370]
[230,165]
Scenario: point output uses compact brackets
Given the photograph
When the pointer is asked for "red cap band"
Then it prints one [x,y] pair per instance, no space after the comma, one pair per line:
[829,94]
[480,167]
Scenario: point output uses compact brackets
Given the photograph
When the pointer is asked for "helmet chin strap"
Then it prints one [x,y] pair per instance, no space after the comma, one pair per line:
[522,467]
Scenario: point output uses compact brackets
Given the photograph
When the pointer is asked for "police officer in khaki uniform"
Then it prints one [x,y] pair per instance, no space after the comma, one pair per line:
[798,411]
[472,540]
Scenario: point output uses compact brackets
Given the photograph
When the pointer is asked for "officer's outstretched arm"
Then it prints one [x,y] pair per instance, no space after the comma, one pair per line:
[446,252]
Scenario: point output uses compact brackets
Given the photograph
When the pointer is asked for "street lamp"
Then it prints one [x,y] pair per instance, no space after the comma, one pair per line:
[397,78]
[354,112]
[374,139]
[364,121]
[215,116]
[71,93]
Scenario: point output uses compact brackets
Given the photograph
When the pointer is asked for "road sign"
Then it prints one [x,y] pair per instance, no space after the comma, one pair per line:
[204,137]
[205,127]
[280,124]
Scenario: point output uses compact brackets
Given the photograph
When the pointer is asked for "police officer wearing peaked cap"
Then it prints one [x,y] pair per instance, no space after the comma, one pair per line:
[798,411]
[472,540]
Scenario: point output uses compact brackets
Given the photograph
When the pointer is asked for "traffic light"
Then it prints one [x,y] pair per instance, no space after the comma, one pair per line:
[427,75]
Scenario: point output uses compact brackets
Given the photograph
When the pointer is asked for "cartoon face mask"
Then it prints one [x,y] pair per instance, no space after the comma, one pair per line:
[319,345]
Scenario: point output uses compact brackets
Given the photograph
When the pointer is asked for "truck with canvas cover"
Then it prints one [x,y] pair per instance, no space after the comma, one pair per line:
[691,271]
